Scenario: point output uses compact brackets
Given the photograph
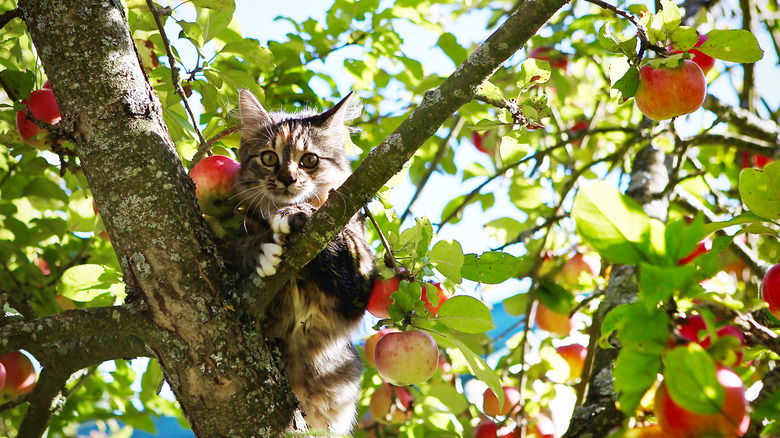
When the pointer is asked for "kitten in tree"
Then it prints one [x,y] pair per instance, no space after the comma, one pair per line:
[289,164]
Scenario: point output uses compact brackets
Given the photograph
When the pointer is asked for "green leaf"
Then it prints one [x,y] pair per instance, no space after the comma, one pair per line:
[733,45]
[486,124]
[744,218]
[84,283]
[251,50]
[448,43]
[491,267]
[657,284]
[447,257]
[465,314]
[516,305]
[532,72]
[682,238]
[760,190]
[511,151]
[555,297]
[624,78]
[215,4]
[525,195]
[614,224]
[691,380]
[612,43]
[81,214]
[635,372]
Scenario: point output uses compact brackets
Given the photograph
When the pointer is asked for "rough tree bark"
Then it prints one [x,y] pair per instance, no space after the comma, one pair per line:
[218,365]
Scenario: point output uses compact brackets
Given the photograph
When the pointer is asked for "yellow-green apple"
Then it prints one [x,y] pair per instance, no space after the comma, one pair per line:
[391,404]
[371,344]
[731,421]
[20,375]
[380,301]
[406,358]
[486,429]
[556,59]
[571,274]
[553,322]
[705,62]
[574,355]
[665,92]
[441,295]
[770,290]
[214,177]
[511,402]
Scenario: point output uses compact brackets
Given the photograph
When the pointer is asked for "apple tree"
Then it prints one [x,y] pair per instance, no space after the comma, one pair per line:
[595,179]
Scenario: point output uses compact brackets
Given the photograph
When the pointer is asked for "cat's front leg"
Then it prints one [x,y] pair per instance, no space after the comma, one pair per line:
[290,219]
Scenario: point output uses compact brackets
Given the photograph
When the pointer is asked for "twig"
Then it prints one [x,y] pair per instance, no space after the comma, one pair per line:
[7,16]
[206,147]
[389,249]
[174,69]
[444,146]
[641,32]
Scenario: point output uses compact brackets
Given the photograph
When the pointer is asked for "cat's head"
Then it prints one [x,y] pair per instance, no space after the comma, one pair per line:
[291,158]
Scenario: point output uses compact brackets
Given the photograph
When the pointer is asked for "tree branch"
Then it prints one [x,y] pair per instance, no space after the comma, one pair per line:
[748,123]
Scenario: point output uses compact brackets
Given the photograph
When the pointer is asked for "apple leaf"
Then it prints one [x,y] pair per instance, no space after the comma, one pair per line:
[215,4]
[81,215]
[611,42]
[682,238]
[465,314]
[511,151]
[635,372]
[744,218]
[684,38]
[84,283]
[251,50]
[524,195]
[555,297]
[516,305]
[487,124]
[760,190]
[691,380]
[657,284]
[447,258]
[489,90]
[624,78]
[491,267]
[614,224]
[532,72]
[733,45]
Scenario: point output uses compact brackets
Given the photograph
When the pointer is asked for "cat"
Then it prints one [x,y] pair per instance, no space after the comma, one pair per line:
[289,164]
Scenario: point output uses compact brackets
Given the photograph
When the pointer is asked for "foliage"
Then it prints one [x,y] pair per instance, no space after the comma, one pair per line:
[539,193]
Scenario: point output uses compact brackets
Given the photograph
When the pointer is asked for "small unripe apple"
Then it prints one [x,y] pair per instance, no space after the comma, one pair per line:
[406,358]
[731,421]
[214,178]
[556,59]
[705,62]
[574,355]
[553,322]
[371,344]
[20,375]
[702,247]
[442,295]
[486,429]
[770,290]
[391,404]
[511,400]
[666,92]
[380,301]
[576,266]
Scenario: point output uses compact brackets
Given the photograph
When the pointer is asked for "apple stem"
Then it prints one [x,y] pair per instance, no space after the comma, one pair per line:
[389,250]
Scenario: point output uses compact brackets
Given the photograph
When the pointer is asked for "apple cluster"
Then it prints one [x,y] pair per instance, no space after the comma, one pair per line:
[43,106]
[17,376]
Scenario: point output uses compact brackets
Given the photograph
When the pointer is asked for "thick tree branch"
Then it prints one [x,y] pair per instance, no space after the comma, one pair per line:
[748,123]
[389,157]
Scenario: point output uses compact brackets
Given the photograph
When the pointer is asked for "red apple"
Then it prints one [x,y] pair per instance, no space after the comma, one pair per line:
[406,358]
[574,355]
[214,177]
[577,265]
[556,59]
[442,297]
[703,247]
[391,404]
[371,344]
[576,128]
[380,301]
[731,421]
[28,130]
[20,375]
[705,62]
[541,427]
[691,327]
[46,85]
[734,355]
[486,429]
[479,142]
[44,107]
[770,290]
[665,92]
[553,322]
[511,400]
[3,375]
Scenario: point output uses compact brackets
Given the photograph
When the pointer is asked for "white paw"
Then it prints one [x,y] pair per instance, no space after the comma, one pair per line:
[280,224]
[269,258]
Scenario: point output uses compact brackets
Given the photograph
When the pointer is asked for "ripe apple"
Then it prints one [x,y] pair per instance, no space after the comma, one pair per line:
[391,404]
[20,375]
[578,264]
[479,142]
[541,427]
[214,177]
[380,301]
[705,62]
[511,401]
[371,344]
[486,429]
[442,295]
[691,327]
[3,375]
[556,59]
[731,421]
[574,355]
[703,247]
[28,130]
[666,92]
[406,358]
[553,322]
[44,107]
[770,290]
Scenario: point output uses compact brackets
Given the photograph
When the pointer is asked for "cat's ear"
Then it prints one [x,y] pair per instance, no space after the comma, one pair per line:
[347,109]
[252,113]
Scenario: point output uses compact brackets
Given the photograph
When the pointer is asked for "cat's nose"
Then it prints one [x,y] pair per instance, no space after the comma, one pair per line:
[287,179]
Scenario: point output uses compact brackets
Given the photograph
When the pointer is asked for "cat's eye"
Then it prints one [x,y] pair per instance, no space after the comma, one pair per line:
[269,158]
[309,161]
